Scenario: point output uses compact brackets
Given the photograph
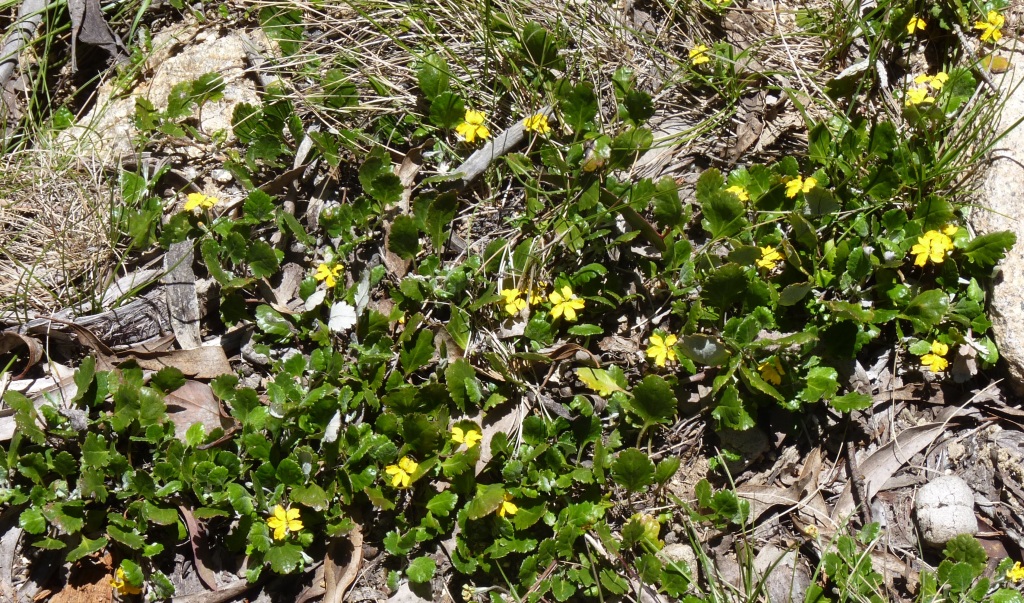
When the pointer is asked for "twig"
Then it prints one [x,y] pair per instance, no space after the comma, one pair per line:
[483,157]
[30,15]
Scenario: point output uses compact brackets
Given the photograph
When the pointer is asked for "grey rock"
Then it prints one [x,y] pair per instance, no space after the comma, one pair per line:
[944,508]
[1001,199]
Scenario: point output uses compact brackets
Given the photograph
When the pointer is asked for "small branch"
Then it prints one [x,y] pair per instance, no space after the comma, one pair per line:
[483,157]
[30,15]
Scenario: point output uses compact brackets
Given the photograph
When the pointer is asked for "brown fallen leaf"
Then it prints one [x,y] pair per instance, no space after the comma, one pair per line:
[28,350]
[195,538]
[193,403]
[339,578]
[206,362]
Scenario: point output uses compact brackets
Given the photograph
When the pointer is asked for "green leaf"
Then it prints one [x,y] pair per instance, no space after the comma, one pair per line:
[339,90]
[285,558]
[129,539]
[705,349]
[85,548]
[439,218]
[289,472]
[421,570]
[822,382]
[1006,595]
[604,382]
[443,503]
[95,452]
[585,330]
[447,110]
[723,213]
[613,582]
[579,107]
[633,470]
[285,27]
[258,206]
[487,500]
[459,327]
[988,249]
[629,145]
[463,386]
[404,240]
[419,353]
[654,401]
[926,310]
[271,322]
[541,47]
[262,259]
[432,76]
[378,178]
[312,496]
[32,521]
[730,412]
[851,402]
[967,549]
[562,589]
[666,469]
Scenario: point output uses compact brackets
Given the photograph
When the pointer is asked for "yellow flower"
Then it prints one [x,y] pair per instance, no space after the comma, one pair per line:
[507,506]
[991,27]
[513,303]
[950,230]
[739,191]
[565,303]
[284,521]
[916,24]
[536,294]
[812,531]
[401,474]
[699,54]
[200,200]
[124,588]
[769,257]
[917,96]
[661,350]
[470,437]
[473,127]
[1015,574]
[771,370]
[328,274]
[934,81]
[932,246]
[798,185]
[935,360]
[537,123]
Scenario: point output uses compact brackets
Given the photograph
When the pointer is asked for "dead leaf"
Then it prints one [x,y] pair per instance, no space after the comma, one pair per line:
[888,459]
[89,26]
[205,574]
[30,351]
[205,362]
[338,579]
[193,403]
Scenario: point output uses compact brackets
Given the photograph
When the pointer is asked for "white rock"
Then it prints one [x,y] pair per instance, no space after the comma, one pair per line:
[945,508]
[999,209]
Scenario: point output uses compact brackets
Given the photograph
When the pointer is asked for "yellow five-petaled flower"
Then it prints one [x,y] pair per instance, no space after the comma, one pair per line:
[328,274]
[537,123]
[661,350]
[469,437]
[507,506]
[565,303]
[800,185]
[699,54]
[1016,573]
[933,81]
[195,200]
[769,258]
[401,474]
[918,96]
[991,28]
[739,191]
[514,304]
[935,360]
[283,521]
[916,24]
[125,588]
[933,245]
[473,127]
[771,370]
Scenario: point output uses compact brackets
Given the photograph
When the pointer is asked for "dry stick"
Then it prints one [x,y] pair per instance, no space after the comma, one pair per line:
[30,15]
[483,157]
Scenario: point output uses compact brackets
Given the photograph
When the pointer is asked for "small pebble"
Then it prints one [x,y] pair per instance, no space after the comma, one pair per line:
[221,176]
